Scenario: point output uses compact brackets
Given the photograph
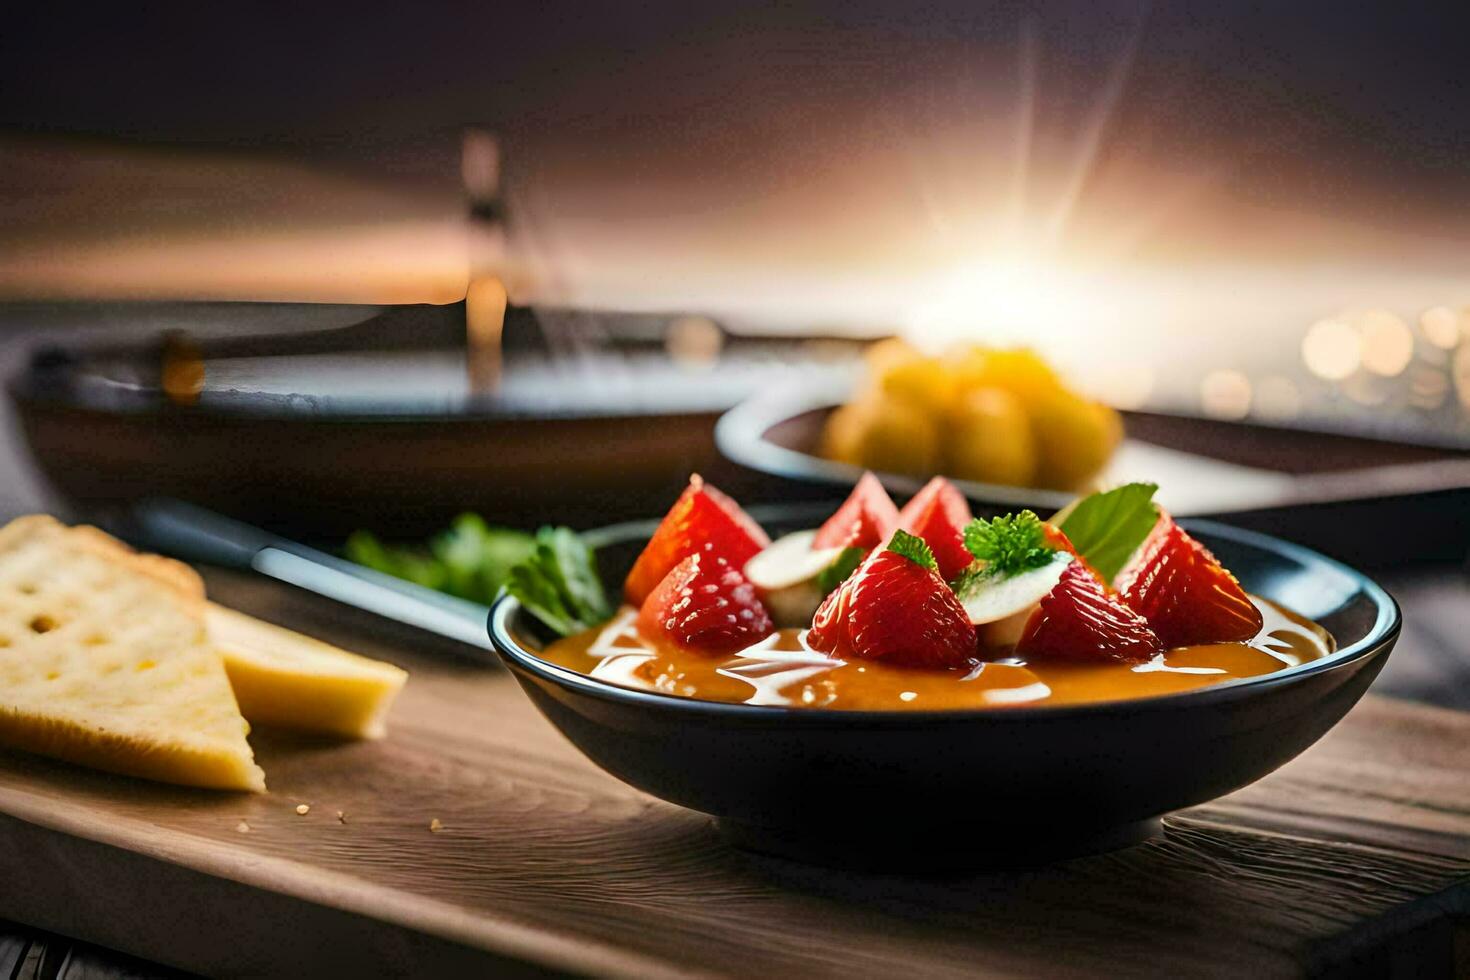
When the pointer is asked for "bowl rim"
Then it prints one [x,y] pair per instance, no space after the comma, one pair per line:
[1380,636]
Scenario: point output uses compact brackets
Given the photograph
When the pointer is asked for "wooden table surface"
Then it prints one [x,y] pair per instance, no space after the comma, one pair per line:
[1358,847]
[1356,853]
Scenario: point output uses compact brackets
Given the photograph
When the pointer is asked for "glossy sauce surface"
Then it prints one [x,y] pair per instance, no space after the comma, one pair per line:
[783,670]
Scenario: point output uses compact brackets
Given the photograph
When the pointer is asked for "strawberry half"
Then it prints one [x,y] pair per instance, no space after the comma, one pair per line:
[1080,620]
[896,610]
[702,519]
[1184,592]
[865,519]
[704,604]
[938,514]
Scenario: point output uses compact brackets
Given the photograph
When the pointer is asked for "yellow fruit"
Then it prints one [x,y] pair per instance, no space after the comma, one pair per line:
[1020,371]
[1076,438]
[924,382]
[998,416]
[106,663]
[990,439]
[292,681]
[968,363]
[898,370]
[894,436]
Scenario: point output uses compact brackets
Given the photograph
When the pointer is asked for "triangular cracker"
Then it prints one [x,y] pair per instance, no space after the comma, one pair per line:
[105,661]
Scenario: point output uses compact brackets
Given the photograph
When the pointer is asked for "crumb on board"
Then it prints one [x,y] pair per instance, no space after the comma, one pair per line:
[302,809]
[242,827]
[435,826]
[341,816]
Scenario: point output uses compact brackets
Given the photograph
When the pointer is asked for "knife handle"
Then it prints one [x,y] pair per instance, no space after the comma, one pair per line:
[195,534]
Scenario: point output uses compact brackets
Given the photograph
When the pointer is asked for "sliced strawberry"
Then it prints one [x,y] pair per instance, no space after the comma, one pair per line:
[1080,620]
[865,519]
[897,611]
[1184,592]
[704,604]
[938,514]
[702,519]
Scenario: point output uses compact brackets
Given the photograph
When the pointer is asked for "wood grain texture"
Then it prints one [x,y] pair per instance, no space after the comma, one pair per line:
[545,862]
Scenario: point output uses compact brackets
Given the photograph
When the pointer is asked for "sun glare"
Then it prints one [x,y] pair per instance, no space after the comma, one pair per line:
[1007,300]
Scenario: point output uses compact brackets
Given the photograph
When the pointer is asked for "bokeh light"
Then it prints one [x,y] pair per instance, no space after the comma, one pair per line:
[1441,326]
[1226,394]
[1388,343]
[1332,349]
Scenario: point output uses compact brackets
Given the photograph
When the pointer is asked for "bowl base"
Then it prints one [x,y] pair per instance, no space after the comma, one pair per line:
[998,852]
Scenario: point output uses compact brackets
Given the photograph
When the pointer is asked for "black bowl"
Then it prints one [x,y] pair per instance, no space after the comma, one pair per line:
[956,789]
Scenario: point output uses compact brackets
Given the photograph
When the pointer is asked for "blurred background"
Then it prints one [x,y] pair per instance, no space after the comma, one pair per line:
[1166,199]
[327,268]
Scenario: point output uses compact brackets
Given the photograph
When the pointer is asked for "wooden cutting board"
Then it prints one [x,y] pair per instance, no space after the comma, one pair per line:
[1356,853]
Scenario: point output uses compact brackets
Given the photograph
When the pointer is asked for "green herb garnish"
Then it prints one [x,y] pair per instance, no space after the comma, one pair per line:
[914,548]
[553,572]
[471,559]
[846,562]
[421,569]
[1106,528]
[1008,545]
[559,584]
[478,558]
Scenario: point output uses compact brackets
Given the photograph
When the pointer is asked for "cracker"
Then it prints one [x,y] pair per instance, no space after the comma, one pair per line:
[105,661]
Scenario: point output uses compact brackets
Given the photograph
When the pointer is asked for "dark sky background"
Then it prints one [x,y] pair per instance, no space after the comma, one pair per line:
[1335,113]
[1379,88]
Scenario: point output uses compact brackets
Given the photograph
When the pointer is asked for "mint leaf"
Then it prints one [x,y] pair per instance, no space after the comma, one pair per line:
[558,583]
[1106,528]
[846,562]
[572,564]
[1008,545]
[538,593]
[914,548]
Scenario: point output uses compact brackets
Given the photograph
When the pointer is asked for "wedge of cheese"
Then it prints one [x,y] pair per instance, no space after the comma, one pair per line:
[105,661]
[288,680]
